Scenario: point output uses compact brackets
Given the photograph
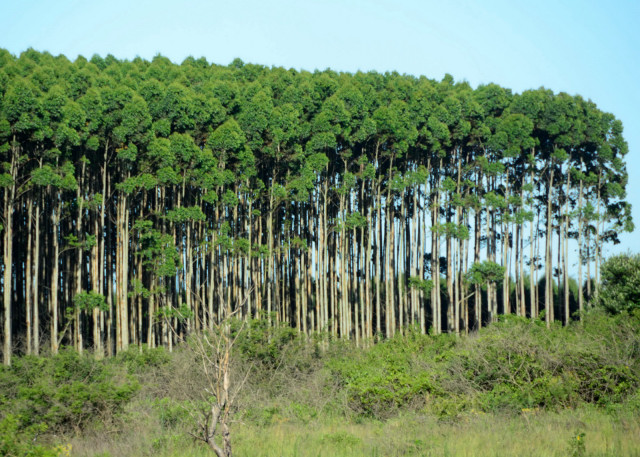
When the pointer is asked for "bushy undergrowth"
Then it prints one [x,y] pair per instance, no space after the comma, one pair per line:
[394,374]
[620,284]
[61,394]
[18,441]
[516,366]
[513,365]
[520,364]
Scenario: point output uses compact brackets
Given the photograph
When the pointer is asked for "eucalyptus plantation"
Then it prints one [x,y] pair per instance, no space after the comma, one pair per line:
[144,200]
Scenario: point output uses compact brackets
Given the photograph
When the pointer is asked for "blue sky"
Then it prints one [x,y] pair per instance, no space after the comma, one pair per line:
[586,47]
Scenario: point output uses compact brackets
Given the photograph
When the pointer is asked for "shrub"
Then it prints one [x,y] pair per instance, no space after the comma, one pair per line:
[386,377]
[140,361]
[66,391]
[20,441]
[518,364]
[171,413]
[263,342]
[620,284]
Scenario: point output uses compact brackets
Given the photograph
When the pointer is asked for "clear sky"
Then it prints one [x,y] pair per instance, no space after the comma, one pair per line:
[586,47]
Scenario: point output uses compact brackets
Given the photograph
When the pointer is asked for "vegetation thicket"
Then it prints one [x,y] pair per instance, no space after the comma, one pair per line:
[143,196]
[412,389]
[620,284]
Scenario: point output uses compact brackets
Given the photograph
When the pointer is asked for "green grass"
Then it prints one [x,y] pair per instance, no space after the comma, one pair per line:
[534,433]
[477,435]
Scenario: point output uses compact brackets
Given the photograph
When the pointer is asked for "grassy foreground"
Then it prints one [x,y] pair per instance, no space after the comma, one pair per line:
[545,434]
[585,431]
[514,389]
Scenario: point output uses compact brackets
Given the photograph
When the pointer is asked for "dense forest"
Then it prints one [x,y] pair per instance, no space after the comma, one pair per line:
[142,200]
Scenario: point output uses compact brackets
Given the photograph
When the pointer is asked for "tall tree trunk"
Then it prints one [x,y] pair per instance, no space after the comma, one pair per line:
[565,252]
[78,314]
[506,234]
[29,300]
[533,285]
[55,261]
[548,299]
[389,234]
[36,276]
[122,261]
[580,247]
[378,280]
[9,198]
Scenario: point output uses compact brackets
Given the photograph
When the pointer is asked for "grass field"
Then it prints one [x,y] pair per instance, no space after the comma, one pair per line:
[585,431]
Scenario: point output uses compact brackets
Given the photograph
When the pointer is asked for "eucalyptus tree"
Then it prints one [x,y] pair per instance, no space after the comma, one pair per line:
[513,136]
[24,130]
[131,132]
[145,197]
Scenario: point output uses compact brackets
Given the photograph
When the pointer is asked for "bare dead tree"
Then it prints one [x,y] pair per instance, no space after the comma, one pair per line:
[213,396]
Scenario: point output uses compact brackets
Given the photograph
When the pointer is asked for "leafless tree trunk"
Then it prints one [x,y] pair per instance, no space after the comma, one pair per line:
[213,351]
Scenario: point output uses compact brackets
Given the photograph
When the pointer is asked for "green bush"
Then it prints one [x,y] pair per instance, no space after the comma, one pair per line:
[261,341]
[512,365]
[18,441]
[171,413]
[546,391]
[620,290]
[518,363]
[139,361]
[603,354]
[262,415]
[386,377]
[67,391]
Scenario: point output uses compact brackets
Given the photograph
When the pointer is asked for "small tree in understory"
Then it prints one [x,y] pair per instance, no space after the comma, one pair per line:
[488,273]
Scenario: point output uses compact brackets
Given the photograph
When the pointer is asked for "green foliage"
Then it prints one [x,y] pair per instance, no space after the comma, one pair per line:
[483,272]
[171,413]
[181,313]
[518,364]
[454,230]
[89,301]
[18,441]
[182,215]
[299,243]
[157,249]
[192,146]
[66,392]
[387,377]
[5,180]
[355,220]
[140,361]
[264,342]
[620,290]
[576,446]
[136,183]
[514,365]
[226,139]
[62,178]
[303,412]
[128,153]
[425,285]
[263,416]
